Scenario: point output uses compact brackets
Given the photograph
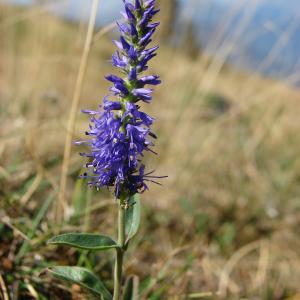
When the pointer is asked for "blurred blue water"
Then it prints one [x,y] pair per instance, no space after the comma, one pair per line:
[259,35]
[262,35]
[79,9]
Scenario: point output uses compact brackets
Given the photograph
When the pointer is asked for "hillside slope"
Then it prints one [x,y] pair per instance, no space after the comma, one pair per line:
[227,140]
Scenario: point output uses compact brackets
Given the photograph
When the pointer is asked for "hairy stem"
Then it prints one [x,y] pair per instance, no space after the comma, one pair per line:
[119,253]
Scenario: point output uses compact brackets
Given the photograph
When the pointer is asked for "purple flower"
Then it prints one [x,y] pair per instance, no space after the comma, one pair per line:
[153,80]
[120,132]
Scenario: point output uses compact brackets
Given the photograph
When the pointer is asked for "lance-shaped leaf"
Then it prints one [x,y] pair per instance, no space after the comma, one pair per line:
[133,217]
[84,241]
[82,277]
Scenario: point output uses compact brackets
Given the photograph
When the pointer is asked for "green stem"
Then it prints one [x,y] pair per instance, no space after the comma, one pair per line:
[119,253]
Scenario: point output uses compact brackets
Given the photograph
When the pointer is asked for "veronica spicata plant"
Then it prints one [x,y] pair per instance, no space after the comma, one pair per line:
[119,135]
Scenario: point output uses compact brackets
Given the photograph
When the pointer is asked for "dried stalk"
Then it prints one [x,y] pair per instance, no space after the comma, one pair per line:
[61,203]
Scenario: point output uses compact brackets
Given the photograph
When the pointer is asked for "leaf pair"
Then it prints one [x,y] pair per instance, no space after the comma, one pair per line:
[84,277]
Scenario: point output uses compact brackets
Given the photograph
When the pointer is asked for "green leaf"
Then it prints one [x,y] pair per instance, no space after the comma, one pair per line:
[131,288]
[82,277]
[133,217]
[84,241]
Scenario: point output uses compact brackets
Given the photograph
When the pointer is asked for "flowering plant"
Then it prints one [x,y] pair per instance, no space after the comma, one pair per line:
[120,133]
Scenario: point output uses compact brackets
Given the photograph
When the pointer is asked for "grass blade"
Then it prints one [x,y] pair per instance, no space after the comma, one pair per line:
[36,222]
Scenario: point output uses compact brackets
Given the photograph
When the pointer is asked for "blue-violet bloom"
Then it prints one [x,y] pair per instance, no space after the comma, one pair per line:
[120,132]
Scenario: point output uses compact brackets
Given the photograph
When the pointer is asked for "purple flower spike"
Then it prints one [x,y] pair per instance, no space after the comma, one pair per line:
[120,132]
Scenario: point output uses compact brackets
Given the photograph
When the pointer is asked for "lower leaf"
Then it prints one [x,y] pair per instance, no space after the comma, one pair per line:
[83,278]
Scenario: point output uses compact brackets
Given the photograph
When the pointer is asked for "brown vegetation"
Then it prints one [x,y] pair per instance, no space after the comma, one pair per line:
[226,221]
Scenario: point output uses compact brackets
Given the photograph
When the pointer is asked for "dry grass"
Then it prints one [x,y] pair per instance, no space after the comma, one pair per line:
[226,222]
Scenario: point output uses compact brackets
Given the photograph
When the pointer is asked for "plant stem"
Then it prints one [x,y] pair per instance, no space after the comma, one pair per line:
[119,253]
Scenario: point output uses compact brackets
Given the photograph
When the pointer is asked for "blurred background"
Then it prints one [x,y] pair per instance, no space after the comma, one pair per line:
[225,223]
